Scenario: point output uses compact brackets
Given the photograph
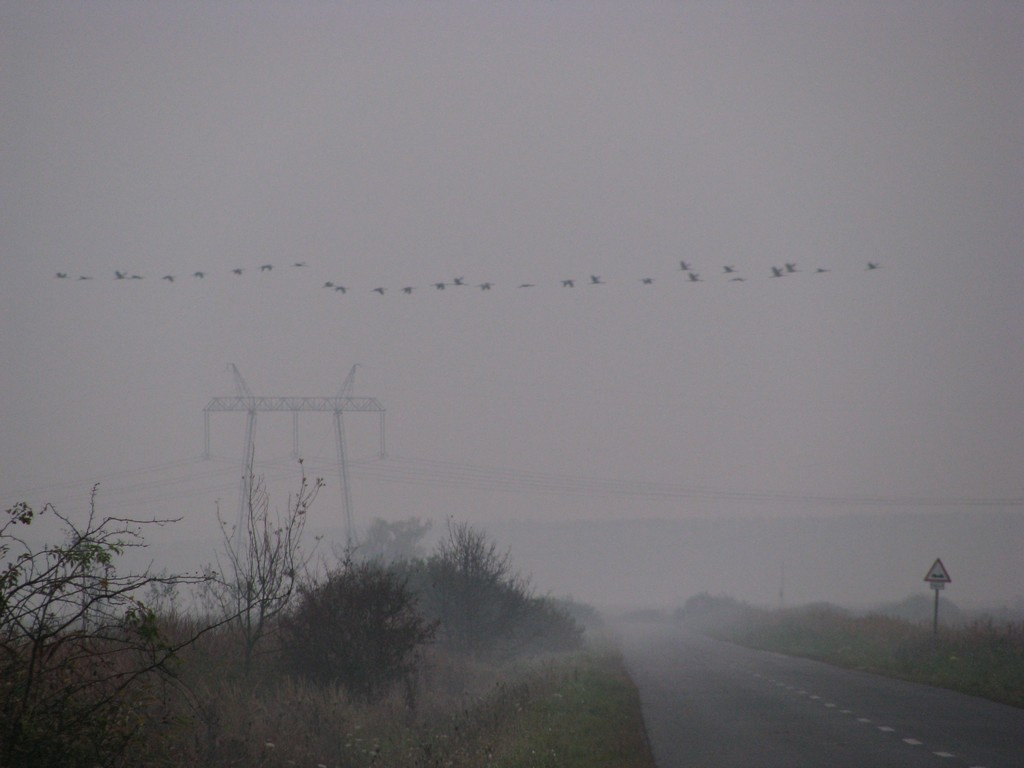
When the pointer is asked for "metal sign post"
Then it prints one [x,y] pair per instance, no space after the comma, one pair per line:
[938,578]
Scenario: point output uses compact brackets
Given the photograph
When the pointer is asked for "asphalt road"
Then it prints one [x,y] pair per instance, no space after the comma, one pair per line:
[716,705]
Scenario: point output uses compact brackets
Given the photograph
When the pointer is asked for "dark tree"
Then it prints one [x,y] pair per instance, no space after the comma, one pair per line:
[359,628]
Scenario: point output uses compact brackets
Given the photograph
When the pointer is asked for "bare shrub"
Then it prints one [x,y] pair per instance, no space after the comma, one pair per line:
[484,607]
[262,562]
[82,661]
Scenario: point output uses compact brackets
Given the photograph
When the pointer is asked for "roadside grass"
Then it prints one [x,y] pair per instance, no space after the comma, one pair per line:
[588,715]
[982,658]
[572,710]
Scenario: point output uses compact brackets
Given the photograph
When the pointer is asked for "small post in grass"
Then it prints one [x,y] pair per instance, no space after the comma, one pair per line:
[938,578]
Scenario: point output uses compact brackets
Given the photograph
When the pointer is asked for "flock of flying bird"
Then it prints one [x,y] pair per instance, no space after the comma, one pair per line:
[729,272]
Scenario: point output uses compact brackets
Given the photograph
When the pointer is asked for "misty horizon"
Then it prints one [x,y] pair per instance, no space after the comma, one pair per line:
[668,299]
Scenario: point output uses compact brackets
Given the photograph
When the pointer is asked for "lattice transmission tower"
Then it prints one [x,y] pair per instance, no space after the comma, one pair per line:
[338,405]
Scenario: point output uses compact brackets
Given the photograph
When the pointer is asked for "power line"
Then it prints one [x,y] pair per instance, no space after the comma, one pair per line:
[435,473]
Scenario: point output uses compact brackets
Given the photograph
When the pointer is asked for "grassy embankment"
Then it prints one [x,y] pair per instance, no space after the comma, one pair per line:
[590,716]
[572,710]
[982,658]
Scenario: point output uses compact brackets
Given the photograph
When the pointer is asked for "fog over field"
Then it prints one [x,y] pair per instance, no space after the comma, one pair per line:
[670,297]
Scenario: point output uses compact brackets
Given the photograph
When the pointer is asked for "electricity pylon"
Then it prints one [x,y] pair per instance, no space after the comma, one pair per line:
[250,404]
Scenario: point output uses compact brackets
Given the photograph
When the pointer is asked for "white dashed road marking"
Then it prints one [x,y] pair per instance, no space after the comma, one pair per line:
[830,705]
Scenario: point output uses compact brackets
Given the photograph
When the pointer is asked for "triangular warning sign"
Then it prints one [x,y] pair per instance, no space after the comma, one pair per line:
[938,574]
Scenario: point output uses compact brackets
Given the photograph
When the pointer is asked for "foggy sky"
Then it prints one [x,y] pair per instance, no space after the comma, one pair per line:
[405,144]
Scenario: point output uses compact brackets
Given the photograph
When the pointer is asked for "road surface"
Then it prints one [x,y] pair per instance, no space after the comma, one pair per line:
[713,704]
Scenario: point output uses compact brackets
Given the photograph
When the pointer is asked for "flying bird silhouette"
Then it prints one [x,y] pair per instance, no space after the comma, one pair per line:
[61,274]
[85,277]
[728,270]
[684,267]
[199,274]
[407,289]
[328,284]
[873,265]
[120,275]
[440,286]
[791,268]
[647,280]
[527,285]
[266,267]
[299,264]
[341,288]
[777,272]
[694,277]
[485,286]
[820,270]
[136,277]
[237,271]
[568,283]
[458,281]
[379,290]
[596,280]
[168,278]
